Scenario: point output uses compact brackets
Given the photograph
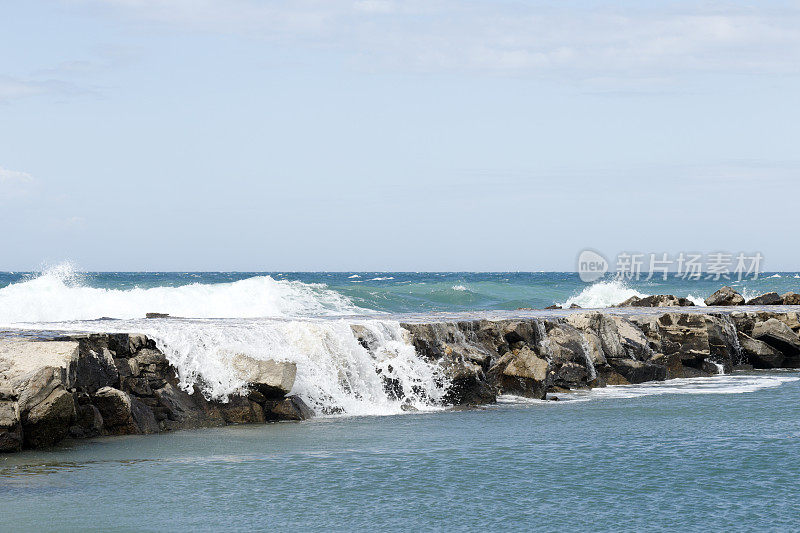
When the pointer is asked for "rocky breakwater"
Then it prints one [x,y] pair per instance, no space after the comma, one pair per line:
[534,357]
[116,384]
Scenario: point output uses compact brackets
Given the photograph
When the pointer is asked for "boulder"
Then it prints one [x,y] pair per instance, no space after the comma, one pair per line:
[95,370]
[241,410]
[467,384]
[115,407]
[521,372]
[88,423]
[656,300]
[632,340]
[184,410]
[778,335]
[273,379]
[637,371]
[10,427]
[770,298]
[48,422]
[760,354]
[725,296]
[290,408]
[790,298]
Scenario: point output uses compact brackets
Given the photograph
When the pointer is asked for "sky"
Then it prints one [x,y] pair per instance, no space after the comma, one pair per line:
[395,135]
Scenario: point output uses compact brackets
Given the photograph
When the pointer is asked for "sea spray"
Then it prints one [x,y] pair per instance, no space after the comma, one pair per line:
[602,294]
[60,294]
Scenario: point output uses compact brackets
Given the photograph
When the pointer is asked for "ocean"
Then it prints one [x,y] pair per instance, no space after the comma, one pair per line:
[714,453]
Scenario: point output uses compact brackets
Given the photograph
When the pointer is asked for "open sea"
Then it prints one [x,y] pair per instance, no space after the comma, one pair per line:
[718,453]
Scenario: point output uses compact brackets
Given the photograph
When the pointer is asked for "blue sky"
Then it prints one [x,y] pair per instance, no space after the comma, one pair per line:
[388,135]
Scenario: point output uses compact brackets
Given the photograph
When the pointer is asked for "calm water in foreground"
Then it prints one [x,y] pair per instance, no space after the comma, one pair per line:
[716,455]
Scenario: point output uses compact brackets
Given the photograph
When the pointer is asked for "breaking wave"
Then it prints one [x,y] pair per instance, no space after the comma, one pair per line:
[59,294]
[603,294]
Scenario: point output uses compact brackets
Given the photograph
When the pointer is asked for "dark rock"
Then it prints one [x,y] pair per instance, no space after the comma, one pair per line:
[554,306]
[725,296]
[778,335]
[575,306]
[48,422]
[10,427]
[790,298]
[88,423]
[95,370]
[468,384]
[770,298]
[290,408]
[143,417]
[115,407]
[656,300]
[187,410]
[760,354]
[637,371]
[156,315]
[240,410]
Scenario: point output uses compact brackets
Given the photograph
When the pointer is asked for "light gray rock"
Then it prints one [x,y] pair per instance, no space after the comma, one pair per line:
[521,372]
[273,379]
[725,296]
[778,335]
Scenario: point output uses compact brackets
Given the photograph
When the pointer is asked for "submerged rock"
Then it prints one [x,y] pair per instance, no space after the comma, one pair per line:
[725,296]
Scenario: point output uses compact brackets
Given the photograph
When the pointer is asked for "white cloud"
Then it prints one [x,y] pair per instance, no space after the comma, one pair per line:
[513,38]
[15,184]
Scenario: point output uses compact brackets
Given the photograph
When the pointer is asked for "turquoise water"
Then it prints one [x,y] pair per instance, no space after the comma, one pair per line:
[392,292]
[717,455]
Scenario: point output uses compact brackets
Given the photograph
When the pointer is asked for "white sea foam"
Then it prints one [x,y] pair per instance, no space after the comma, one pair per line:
[58,294]
[353,276]
[382,279]
[603,294]
[459,288]
[775,276]
[719,384]
[696,300]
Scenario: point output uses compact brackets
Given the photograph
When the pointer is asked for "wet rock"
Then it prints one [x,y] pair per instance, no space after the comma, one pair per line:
[96,369]
[637,371]
[554,306]
[632,340]
[240,410]
[290,408]
[760,354]
[790,298]
[185,410]
[116,409]
[575,306]
[778,335]
[273,379]
[770,298]
[725,296]
[468,384]
[521,372]
[657,300]
[10,427]
[48,422]
[88,423]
